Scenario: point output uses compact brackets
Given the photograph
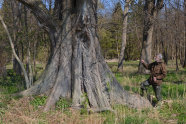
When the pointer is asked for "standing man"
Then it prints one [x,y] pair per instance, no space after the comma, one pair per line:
[157,73]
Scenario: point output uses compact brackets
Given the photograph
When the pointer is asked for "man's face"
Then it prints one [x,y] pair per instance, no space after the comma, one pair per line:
[157,59]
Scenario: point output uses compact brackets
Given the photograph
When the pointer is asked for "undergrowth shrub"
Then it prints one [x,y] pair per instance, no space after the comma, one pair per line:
[12,83]
[38,101]
[63,104]
[84,105]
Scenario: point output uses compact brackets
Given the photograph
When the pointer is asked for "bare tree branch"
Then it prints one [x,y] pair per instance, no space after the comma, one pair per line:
[40,12]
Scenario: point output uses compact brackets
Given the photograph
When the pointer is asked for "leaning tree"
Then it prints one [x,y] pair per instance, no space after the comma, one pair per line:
[76,66]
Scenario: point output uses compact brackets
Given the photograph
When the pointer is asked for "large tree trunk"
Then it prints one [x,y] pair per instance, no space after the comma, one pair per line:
[151,9]
[76,66]
[124,35]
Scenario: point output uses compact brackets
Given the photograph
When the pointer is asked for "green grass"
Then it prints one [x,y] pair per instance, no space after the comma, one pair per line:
[173,108]
[125,115]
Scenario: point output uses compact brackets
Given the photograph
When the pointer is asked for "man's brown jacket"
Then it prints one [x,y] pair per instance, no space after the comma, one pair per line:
[158,70]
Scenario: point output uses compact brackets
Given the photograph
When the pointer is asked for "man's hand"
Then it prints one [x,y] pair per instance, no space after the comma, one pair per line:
[155,79]
[142,61]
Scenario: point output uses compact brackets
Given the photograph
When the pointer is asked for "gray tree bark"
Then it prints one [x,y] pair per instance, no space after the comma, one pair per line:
[177,24]
[151,9]
[28,61]
[184,65]
[164,43]
[76,66]
[124,35]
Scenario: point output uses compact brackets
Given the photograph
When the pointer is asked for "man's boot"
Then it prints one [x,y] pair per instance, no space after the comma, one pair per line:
[142,92]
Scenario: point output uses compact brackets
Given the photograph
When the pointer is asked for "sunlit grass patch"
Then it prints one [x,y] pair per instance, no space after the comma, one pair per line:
[173,91]
[174,110]
[126,115]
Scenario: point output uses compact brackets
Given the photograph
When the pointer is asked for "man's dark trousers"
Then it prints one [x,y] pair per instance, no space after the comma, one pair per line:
[156,88]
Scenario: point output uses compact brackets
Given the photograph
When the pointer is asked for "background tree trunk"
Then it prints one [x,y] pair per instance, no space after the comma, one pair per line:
[176,45]
[165,43]
[124,35]
[28,61]
[184,65]
[177,34]
[15,12]
[34,56]
[151,9]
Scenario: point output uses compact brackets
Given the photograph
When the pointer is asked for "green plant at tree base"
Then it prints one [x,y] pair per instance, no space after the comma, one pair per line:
[38,101]
[84,104]
[63,104]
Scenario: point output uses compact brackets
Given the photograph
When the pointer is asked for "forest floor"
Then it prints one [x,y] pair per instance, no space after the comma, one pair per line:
[21,110]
